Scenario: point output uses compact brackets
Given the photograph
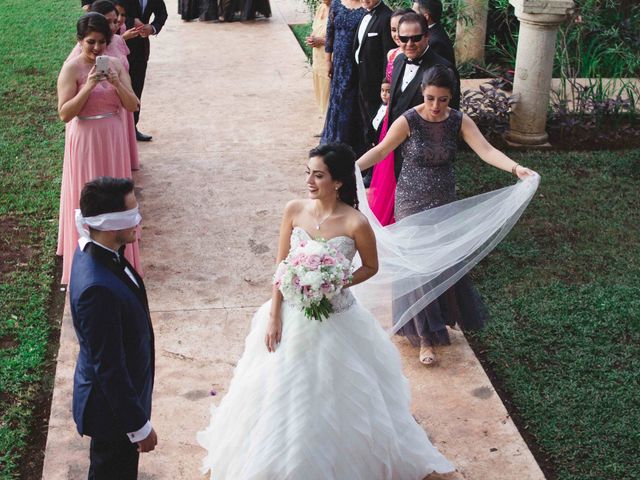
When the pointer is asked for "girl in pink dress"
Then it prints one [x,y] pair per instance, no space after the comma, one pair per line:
[382,190]
[91,105]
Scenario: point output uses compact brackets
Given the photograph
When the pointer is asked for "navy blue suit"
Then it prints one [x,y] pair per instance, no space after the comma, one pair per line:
[115,369]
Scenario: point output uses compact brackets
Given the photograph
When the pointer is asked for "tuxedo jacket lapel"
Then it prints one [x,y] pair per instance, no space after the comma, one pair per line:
[138,11]
[398,71]
[372,22]
[106,258]
[414,84]
[140,289]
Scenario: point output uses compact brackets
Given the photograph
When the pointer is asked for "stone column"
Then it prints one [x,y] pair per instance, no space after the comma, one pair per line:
[471,31]
[539,22]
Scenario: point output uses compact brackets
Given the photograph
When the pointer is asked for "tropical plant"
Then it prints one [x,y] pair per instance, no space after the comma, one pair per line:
[489,107]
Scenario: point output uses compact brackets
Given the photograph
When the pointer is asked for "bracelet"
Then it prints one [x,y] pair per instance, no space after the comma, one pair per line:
[514,170]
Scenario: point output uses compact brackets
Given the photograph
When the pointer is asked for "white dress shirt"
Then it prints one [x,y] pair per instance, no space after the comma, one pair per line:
[363,28]
[139,435]
[410,71]
[83,243]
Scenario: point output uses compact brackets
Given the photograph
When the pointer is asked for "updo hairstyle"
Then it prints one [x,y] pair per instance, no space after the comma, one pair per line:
[340,160]
[93,22]
[439,76]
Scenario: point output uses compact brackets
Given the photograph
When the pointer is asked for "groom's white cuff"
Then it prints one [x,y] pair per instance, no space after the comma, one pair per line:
[141,434]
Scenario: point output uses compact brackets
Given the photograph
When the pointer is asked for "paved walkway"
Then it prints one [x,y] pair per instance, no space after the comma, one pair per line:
[231,110]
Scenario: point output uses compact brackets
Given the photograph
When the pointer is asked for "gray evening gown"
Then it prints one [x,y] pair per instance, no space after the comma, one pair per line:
[427,180]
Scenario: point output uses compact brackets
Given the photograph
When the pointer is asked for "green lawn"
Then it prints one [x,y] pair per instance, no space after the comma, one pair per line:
[35,38]
[564,293]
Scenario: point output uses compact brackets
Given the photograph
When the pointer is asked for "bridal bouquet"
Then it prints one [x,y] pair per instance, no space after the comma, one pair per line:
[311,276]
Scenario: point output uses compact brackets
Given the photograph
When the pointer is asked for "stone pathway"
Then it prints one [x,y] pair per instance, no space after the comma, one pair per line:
[231,110]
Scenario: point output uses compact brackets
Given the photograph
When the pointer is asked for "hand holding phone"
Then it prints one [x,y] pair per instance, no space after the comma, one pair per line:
[102,66]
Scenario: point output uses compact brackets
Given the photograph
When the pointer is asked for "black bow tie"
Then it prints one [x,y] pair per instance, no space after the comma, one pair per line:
[417,61]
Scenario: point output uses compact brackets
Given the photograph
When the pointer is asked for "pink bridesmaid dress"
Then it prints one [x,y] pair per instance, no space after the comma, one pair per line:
[95,146]
[118,48]
[382,191]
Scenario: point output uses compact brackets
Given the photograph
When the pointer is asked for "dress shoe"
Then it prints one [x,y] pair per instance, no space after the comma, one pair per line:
[141,137]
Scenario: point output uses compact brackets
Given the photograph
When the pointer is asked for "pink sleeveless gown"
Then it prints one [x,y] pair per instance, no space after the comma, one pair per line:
[382,191]
[118,48]
[93,148]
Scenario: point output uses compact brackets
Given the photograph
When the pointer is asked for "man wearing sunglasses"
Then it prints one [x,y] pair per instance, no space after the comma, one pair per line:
[438,38]
[408,68]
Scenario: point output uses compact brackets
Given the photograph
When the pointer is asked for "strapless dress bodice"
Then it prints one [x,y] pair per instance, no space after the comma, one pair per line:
[346,246]
[103,99]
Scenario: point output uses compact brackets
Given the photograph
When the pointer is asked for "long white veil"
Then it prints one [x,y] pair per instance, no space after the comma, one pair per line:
[421,256]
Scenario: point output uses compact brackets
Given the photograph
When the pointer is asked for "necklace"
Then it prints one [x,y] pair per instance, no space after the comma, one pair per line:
[318,225]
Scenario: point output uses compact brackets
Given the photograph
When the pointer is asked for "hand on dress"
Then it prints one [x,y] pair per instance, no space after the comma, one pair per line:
[149,443]
[524,172]
[330,68]
[273,334]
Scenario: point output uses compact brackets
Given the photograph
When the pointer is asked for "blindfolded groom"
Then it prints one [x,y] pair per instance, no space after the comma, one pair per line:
[114,373]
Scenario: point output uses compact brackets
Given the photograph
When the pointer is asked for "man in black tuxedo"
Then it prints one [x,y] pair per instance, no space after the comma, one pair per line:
[114,374]
[138,15]
[408,68]
[370,46]
[438,38]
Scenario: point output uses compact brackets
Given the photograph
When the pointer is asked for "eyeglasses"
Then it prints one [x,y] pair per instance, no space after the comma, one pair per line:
[413,38]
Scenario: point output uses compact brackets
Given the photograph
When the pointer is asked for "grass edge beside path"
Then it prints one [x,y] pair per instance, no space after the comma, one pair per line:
[563,291]
[35,38]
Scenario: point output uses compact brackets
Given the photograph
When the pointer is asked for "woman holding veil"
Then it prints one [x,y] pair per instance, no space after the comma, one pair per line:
[428,136]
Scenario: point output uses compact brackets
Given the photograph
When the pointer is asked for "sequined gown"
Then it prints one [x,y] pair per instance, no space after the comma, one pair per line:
[343,122]
[427,180]
[331,403]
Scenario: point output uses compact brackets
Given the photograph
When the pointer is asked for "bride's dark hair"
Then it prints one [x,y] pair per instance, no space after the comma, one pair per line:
[340,159]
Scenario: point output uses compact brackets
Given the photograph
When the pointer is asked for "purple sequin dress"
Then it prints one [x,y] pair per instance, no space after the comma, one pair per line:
[427,180]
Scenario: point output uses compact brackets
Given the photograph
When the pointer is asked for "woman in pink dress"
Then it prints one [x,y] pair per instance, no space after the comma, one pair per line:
[382,190]
[122,35]
[91,105]
[117,48]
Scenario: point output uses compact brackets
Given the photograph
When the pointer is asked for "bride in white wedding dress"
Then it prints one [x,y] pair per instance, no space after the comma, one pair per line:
[313,400]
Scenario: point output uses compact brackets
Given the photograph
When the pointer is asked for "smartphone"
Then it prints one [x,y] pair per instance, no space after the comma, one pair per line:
[102,65]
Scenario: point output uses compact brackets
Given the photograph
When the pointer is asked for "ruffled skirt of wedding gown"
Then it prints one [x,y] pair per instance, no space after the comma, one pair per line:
[330,404]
